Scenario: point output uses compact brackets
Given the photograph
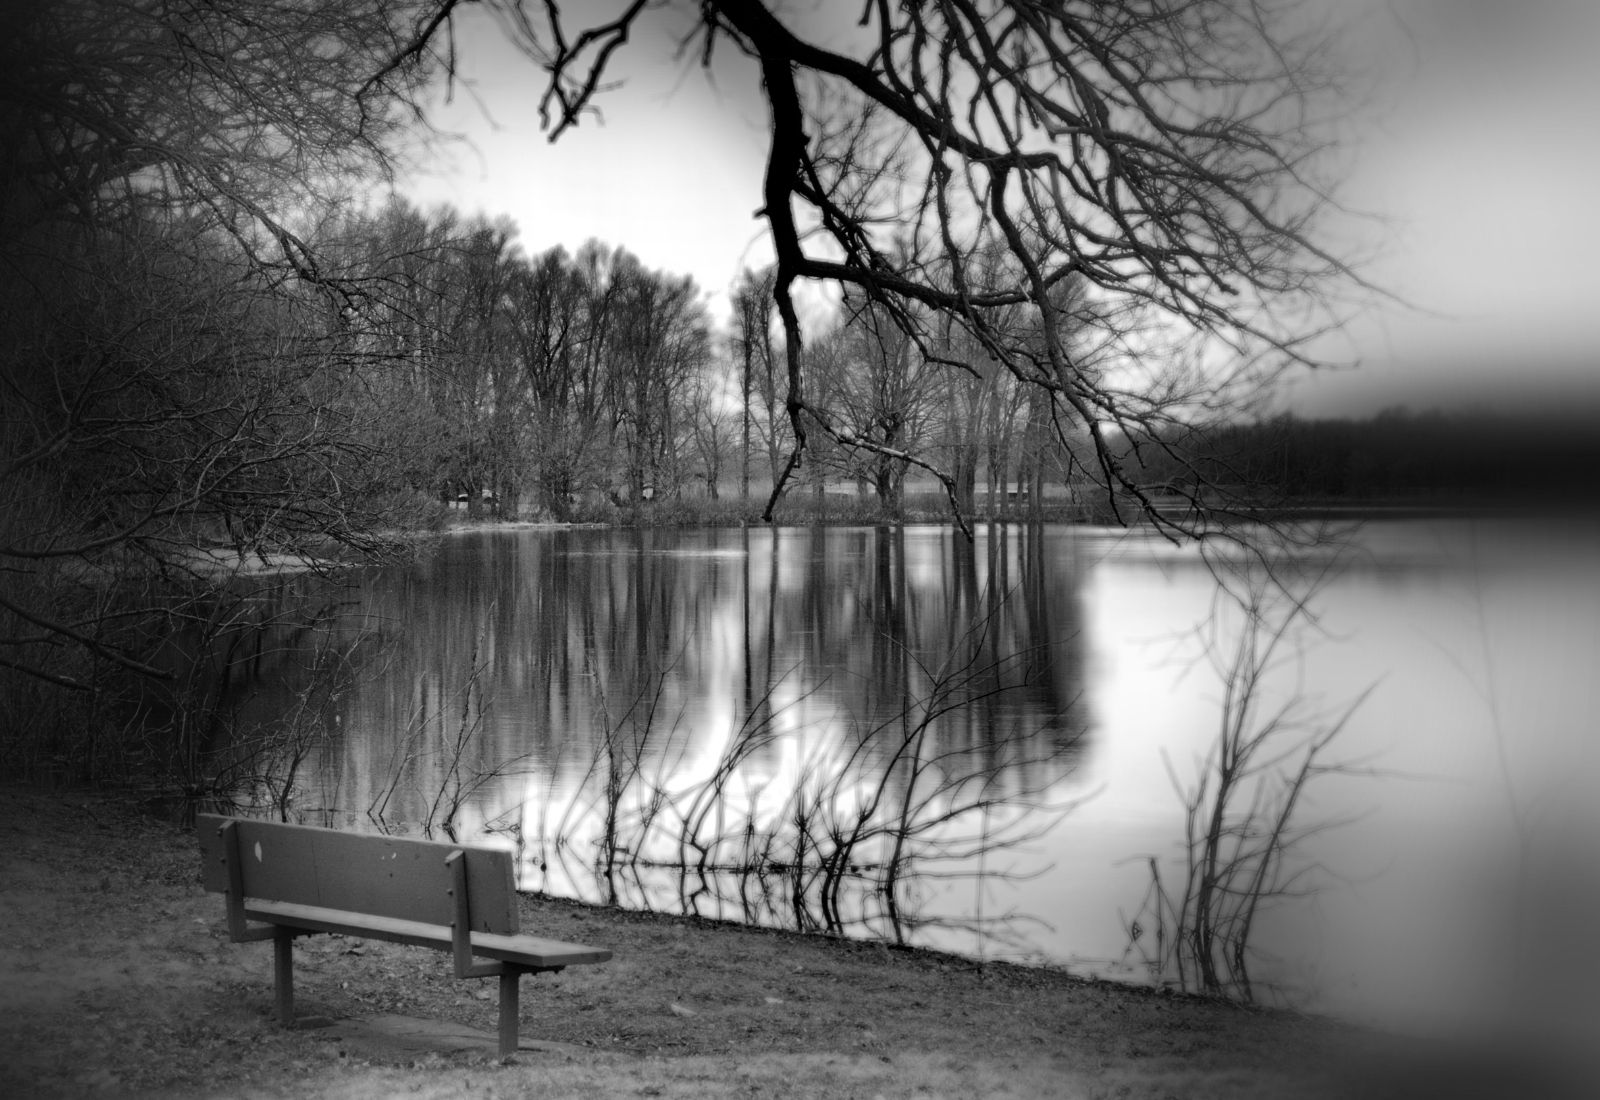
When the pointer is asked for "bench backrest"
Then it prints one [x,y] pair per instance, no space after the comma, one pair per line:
[359,873]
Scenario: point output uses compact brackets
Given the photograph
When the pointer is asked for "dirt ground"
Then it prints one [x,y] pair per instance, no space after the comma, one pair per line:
[117,979]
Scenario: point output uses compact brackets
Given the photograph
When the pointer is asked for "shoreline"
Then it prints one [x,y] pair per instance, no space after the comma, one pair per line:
[118,979]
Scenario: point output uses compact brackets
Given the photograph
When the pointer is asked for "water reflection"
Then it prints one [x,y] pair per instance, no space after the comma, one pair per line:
[875,731]
[791,726]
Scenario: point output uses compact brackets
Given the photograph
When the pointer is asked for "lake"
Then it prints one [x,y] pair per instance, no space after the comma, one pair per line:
[987,746]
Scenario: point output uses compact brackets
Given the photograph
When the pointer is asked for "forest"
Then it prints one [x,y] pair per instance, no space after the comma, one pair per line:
[1462,460]
[562,386]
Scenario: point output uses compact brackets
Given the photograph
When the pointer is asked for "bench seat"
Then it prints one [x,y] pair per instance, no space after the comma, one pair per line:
[529,952]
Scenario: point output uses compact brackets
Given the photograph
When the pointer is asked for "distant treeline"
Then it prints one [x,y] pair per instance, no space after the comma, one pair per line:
[1398,455]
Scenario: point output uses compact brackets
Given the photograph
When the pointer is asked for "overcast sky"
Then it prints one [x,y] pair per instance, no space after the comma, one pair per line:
[1489,162]
[672,170]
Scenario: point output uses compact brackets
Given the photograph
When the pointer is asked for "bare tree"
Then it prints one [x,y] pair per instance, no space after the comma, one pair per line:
[1166,154]
[882,391]
[547,312]
[173,358]
[660,345]
[240,112]
[711,424]
[436,292]
[761,372]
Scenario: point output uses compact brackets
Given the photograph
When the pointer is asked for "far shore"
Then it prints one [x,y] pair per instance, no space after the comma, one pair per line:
[923,508]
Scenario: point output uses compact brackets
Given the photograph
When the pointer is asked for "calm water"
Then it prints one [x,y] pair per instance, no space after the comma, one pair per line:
[976,746]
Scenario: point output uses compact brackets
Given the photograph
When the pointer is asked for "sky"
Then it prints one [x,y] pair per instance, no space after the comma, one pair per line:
[672,168]
[1484,165]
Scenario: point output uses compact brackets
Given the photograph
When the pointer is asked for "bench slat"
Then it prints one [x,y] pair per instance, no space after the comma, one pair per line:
[355,872]
[530,951]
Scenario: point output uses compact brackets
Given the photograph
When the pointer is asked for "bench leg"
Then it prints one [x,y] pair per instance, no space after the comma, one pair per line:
[510,989]
[283,973]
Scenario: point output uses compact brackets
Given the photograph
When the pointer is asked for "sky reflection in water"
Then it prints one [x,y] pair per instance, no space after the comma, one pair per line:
[582,692]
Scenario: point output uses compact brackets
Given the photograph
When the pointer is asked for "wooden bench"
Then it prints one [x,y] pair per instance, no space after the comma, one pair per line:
[296,880]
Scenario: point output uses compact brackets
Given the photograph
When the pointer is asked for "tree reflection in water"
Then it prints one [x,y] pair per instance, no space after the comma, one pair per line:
[823,729]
